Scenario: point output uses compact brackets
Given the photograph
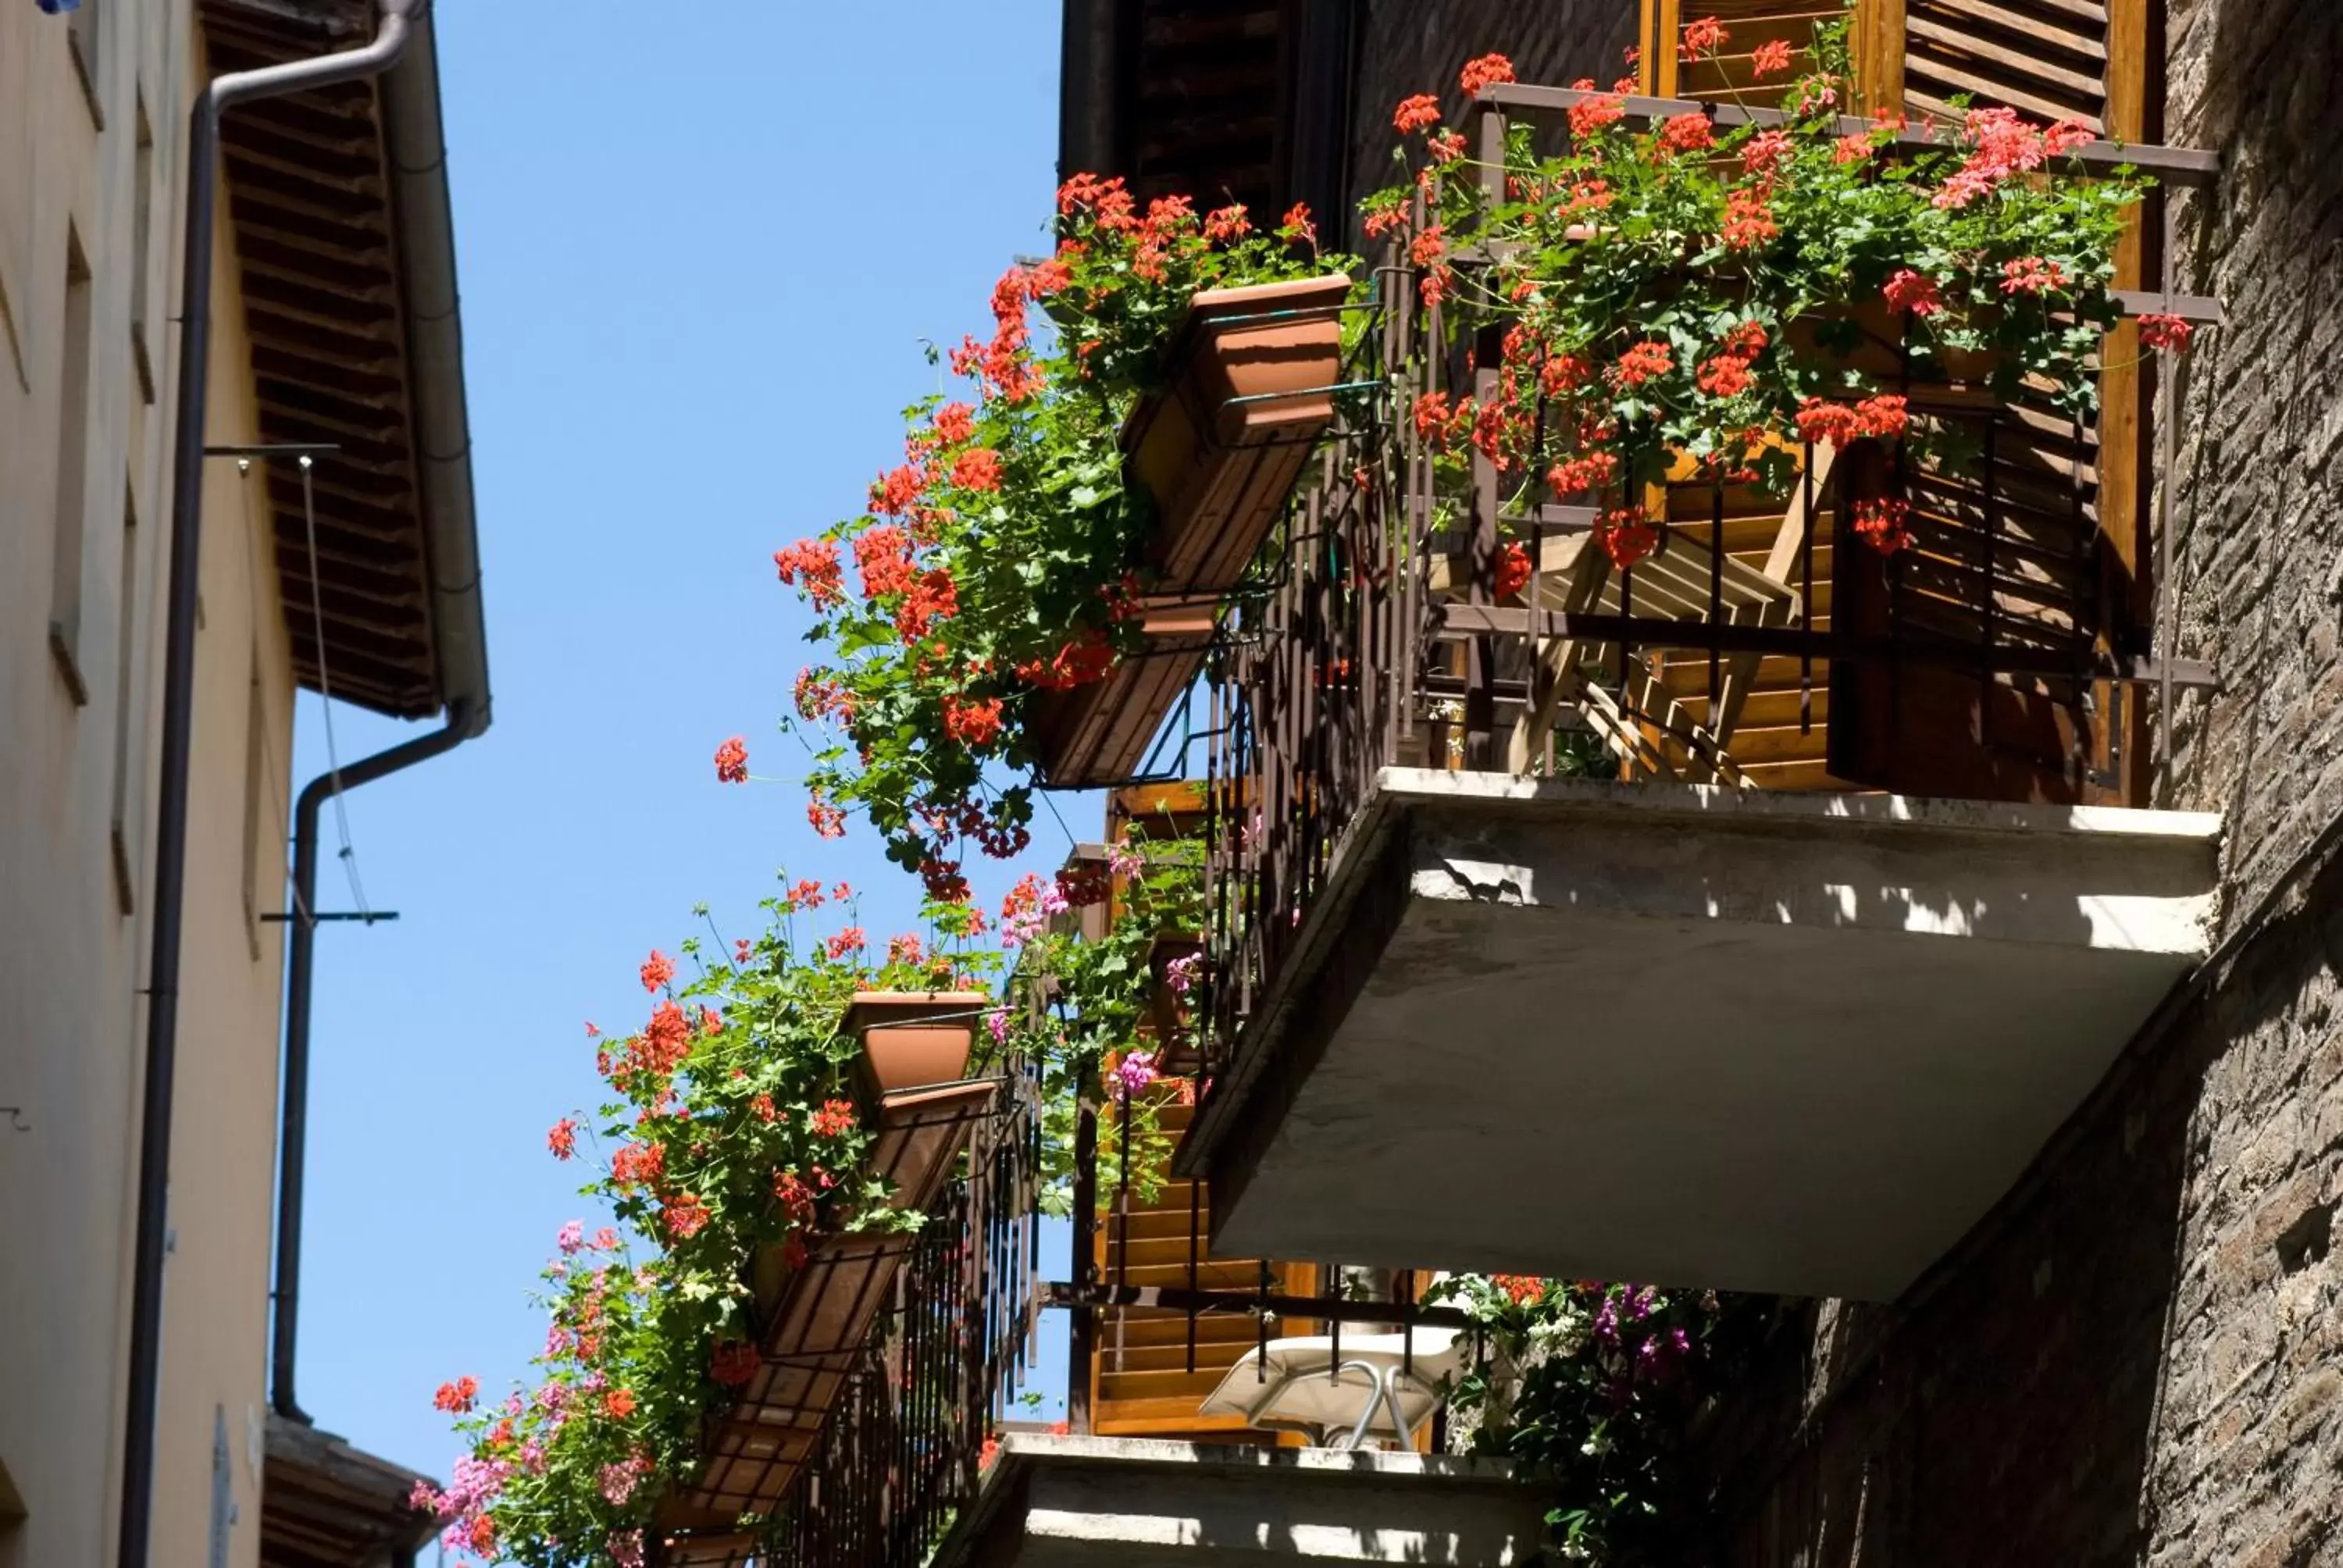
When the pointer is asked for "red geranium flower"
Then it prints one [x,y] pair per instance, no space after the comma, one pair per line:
[1419,113]
[732,761]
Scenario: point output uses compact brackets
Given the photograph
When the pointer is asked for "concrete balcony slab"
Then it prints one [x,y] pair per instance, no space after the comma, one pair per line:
[1138,1502]
[1794,1043]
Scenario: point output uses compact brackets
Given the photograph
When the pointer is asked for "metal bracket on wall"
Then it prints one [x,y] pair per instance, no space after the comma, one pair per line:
[364,917]
[15,1115]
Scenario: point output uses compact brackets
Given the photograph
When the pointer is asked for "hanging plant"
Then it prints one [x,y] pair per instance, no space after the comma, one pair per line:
[1586,1388]
[739,1123]
[1006,559]
[1086,1009]
[1697,293]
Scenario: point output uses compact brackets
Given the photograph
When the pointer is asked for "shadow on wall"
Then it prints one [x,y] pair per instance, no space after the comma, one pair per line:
[2063,1388]
[2255,81]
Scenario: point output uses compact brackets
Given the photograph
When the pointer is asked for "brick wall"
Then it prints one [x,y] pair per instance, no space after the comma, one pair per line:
[1408,46]
[2135,1358]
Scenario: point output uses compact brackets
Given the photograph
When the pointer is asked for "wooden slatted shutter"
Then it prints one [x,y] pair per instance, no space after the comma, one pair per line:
[2045,539]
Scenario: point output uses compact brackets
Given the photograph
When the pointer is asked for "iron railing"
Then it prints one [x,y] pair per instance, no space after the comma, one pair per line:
[901,1450]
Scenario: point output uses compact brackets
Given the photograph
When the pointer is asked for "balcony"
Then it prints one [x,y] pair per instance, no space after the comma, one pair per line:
[1743,908]
[1080,1500]
[1765,1042]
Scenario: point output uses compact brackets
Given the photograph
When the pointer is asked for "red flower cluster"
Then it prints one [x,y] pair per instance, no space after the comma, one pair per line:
[1820,421]
[619,1404]
[1748,220]
[978,468]
[1416,114]
[815,562]
[819,697]
[1644,362]
[849,940]
[883,555]
[829,821]
[1626,535]
[562,1139]
[1589,116]
[656,971]
[2165,332]
[1079,662]
[1771,58]
[1913,291]
[955,423]
[1728,374]
[1589,471]
[455,1398]
[1485,70]
[975,724]
[931,599]
[1883,524]
[1763,151]
[1704,36]
[1227,225]
[732,761]
[2031,275]
[2003,142]
[1520,1288]
[1685,133]
[686,1216]
[1512,570]
[896,490]
[639,1165]
[834,1120]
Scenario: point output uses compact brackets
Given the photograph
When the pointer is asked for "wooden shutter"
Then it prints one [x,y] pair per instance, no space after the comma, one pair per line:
[2047,544]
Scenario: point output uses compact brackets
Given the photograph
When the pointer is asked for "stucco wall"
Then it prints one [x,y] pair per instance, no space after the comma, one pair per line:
[72,947]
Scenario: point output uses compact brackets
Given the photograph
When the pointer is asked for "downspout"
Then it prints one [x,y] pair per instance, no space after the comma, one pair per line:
[145,1362]
[300,972]
[425,234]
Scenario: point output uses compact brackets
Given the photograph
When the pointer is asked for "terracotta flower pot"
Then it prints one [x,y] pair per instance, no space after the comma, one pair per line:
[912,1039]
[1220,449]
[1099,734]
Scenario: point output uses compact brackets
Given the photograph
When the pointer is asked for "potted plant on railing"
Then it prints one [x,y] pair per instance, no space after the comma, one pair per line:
[751,1142]
[1693,299]
[1019,603]
[1086,1008]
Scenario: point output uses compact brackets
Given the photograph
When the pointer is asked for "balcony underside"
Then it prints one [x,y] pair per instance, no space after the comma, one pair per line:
[1785,1043]
[1080,1502]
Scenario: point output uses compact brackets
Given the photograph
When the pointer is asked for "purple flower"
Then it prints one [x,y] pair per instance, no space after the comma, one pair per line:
[996,1023]
[626,1548]
[1136,1070]
[1180,974]
[572,1239]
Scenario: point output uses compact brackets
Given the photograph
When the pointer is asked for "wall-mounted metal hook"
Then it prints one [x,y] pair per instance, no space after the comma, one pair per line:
[15,1115]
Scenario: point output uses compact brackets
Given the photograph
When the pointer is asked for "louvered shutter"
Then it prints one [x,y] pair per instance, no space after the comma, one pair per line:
[2043,543]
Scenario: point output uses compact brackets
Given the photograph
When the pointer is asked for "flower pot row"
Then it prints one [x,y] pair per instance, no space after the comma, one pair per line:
[818,1305]
[1218,450]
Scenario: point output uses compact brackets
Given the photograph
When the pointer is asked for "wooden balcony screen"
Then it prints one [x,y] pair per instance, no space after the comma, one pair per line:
[2045,539]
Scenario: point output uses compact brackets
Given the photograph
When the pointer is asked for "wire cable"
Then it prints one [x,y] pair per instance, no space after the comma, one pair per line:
[349,855]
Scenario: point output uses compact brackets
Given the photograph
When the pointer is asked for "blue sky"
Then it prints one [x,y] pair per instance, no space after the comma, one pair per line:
[700,246]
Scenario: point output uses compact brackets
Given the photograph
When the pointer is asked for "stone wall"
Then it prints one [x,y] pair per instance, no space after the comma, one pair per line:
[1409,46]
[2136,1357]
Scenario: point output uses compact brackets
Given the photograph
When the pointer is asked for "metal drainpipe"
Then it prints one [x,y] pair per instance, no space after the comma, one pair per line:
[222,95]
[300,971]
